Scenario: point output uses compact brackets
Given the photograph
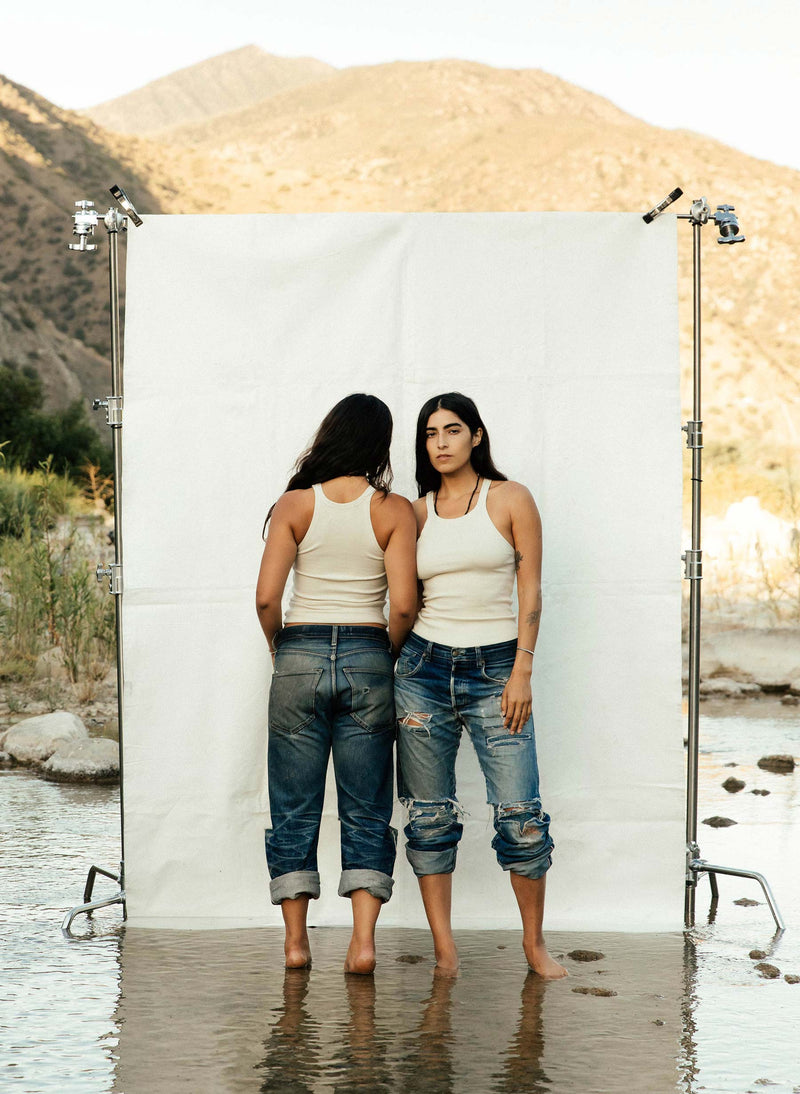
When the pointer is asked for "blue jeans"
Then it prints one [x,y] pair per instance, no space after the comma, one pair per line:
[331,692]
[439,690]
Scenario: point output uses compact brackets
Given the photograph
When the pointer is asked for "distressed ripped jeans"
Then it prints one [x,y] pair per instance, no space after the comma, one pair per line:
[331,692]
[440,690]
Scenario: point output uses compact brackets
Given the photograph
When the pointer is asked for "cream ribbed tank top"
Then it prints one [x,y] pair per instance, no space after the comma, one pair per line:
[339,575]
[467,570]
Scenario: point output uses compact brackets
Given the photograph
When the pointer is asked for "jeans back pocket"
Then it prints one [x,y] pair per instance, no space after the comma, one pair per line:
[292,700]
[371,698]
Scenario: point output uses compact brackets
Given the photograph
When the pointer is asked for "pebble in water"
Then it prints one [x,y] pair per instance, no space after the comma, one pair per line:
[762,793]
[746,902]
[733,785]
[757,955]
[783,765]
[769,972]
[719,822]
[605,993]
[790,978]
[410,958]
[586,955]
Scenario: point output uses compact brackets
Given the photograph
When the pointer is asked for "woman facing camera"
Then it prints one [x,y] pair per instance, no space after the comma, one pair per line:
[348,539]
[467,663]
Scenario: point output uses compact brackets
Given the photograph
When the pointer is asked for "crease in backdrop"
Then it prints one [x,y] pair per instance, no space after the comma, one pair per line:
[241,332]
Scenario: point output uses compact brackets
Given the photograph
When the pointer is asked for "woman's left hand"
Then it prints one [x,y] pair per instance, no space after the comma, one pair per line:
[516,702]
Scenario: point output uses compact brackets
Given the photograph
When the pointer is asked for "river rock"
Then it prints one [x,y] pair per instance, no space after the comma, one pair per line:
[769,972]
[761,793]
[782,765]
[790,700]
[732,785]
[94,760]
[757,955]
[746,902]
[5,760]
[586,955]
[34,740]
[721,685]
[790,978]
[605,993]
[719,822]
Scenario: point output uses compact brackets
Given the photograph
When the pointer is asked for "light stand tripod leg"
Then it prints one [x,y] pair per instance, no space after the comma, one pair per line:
[701,866]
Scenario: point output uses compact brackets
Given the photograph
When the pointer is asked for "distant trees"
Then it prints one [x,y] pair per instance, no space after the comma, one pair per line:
[31,435]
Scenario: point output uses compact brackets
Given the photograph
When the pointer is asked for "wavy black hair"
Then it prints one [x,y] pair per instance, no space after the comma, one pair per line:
[353,439]
[428,478]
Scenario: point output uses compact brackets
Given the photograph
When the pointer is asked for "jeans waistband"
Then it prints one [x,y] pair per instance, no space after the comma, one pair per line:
[333,633]
[462,655]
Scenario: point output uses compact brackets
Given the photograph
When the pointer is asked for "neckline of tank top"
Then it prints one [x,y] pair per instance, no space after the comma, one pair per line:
[320,493]
[483,494]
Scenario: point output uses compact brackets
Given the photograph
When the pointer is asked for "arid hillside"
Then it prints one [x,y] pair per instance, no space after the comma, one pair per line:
[53,303]
[442,135]
[216,86]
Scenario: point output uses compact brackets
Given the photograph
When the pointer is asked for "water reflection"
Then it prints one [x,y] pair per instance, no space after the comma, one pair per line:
[522,1072]
[215,1011]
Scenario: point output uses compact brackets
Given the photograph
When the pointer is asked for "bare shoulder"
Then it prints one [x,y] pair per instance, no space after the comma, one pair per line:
[390,513]
[514,497]
[395,504]
[293,503]
[391,509]
[295,509]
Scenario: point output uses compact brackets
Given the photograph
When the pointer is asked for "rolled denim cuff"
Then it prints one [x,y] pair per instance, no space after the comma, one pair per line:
[297,883]
[431,862]
[534,869]
[376,883]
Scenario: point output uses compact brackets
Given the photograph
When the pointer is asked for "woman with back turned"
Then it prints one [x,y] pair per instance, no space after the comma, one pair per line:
[467,663]
[348,539]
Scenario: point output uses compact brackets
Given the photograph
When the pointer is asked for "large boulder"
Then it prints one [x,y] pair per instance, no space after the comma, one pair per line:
[36,739]
[95,760]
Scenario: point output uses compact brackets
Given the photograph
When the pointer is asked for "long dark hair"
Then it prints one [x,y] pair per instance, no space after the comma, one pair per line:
[353,439]
[428,478]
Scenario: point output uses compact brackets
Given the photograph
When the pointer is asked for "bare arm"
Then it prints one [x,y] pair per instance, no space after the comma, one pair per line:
[526,529]
[280,551]
[400,559]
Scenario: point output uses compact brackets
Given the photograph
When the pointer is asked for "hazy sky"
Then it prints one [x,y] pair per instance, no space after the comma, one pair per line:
[728,68]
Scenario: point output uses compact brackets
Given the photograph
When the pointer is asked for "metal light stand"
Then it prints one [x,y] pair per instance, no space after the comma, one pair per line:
[693,559]
[85,221]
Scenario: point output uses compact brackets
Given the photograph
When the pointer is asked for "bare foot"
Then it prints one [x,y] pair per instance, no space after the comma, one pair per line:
[542,963]
[446,960]
[360,958]
[298,954]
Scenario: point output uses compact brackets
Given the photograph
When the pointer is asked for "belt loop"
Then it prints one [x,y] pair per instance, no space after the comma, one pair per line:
[334,641]
[428,654]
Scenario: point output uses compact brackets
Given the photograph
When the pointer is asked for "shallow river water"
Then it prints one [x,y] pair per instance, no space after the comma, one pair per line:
[157,1012]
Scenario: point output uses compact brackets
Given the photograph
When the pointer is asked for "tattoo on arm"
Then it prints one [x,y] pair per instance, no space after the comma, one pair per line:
[517,560]
[534,617]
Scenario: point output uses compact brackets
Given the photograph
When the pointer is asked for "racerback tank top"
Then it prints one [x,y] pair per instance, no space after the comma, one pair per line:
[339,574]
[467,570]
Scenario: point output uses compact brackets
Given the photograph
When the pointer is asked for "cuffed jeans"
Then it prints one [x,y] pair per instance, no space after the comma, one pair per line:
[331,692]
[439,690]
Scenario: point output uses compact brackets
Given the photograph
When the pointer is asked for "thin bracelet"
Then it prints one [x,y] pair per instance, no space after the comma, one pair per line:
[524,650]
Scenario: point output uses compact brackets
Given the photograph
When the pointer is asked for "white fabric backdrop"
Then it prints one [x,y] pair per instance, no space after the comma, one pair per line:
[241,332]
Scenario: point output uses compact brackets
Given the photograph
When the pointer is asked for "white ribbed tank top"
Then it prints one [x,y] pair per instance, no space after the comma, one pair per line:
[467,570]
[339,575]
